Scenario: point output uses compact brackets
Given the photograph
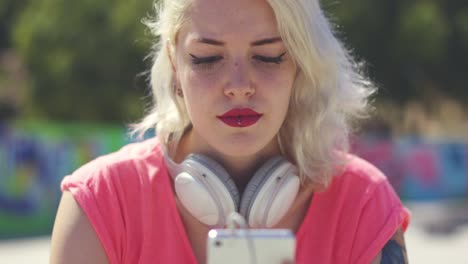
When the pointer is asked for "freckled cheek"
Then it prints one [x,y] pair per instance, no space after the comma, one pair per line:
[199,92]
[279,83]
[278,89]
[202,82]
[196,104]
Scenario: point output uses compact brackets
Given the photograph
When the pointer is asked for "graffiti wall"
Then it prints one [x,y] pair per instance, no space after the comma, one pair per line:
[35,157]
[419,170]
[33,160]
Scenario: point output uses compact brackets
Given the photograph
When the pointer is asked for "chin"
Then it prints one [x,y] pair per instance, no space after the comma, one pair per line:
[240,151]
[243,147]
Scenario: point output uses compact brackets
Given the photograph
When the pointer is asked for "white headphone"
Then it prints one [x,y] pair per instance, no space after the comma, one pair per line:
[208,192]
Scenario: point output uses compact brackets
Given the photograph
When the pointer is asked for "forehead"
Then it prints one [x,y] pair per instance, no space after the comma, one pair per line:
[230,18]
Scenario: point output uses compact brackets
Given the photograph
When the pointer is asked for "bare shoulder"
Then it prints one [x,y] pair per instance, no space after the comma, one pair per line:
[394,251]
[73,238]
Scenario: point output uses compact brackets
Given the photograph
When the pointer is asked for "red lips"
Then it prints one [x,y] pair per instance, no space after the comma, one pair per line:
[240,117]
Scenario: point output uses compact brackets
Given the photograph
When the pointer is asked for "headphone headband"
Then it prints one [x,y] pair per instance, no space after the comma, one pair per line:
[208,192]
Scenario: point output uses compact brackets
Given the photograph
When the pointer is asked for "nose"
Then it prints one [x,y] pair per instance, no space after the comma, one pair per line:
[240,83]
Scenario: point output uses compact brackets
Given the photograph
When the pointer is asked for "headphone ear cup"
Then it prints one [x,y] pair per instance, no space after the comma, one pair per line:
[221,174]
[270,193]
[206,190]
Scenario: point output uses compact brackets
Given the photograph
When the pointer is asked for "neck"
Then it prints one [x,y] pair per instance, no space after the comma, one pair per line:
[240,168]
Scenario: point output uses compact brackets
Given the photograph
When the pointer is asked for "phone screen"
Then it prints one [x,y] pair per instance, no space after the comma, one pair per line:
[259,246]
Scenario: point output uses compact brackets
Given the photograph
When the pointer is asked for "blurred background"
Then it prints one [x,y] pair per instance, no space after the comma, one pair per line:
[73,74]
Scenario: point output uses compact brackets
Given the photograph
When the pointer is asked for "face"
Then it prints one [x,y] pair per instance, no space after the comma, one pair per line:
[236,75]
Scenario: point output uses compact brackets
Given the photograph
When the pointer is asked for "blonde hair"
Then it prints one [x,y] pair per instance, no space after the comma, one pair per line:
[328,94]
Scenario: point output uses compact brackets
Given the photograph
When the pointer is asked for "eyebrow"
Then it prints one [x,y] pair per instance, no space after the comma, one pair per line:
[266,41]
[210,41]
[255,43]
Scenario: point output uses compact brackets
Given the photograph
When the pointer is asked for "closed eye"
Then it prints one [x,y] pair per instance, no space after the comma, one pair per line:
[277,60]
[200,60]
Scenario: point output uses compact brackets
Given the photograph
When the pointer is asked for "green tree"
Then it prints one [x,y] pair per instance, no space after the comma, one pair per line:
[84,56]
[410,46]
[9,10]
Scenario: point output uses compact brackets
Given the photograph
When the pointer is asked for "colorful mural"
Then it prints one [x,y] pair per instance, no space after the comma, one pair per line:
[35,157]
[33,160]
[419,170]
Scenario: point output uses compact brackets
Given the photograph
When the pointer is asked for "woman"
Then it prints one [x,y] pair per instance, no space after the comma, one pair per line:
[237,84]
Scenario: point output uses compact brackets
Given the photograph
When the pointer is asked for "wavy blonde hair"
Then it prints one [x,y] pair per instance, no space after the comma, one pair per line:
[328,94]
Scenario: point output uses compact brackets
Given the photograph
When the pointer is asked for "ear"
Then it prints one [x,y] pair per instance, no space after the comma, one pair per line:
[171,54]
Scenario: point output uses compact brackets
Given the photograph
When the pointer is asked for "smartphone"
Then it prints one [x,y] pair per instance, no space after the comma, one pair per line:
[250,246]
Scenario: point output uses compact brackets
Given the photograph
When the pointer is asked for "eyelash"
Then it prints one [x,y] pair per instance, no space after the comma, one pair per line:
[205,60]
[276,60]
[209,60]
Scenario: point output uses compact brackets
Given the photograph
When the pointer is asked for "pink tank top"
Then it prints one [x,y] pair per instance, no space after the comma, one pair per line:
[128,198]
